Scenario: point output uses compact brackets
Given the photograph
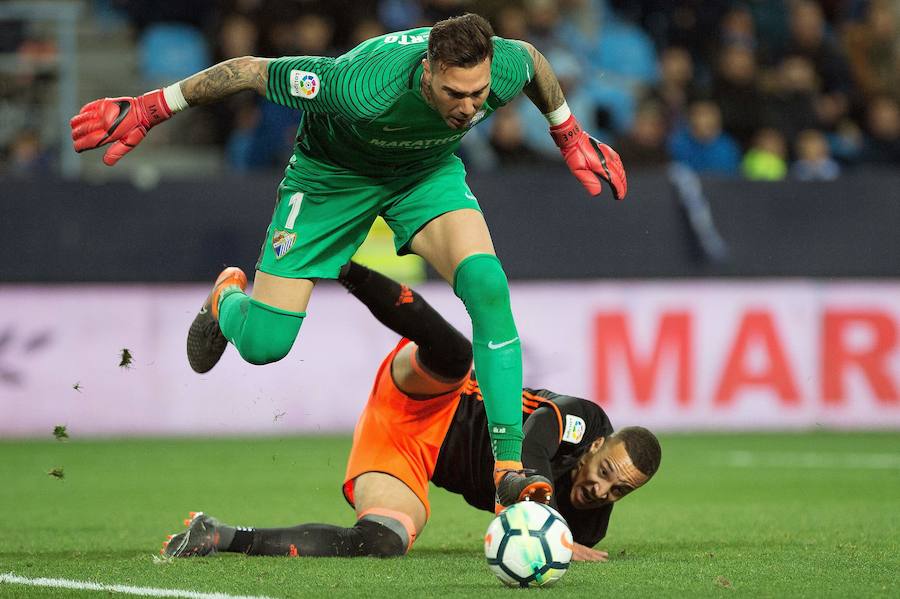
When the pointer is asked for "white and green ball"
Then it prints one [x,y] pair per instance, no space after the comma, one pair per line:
[528,544]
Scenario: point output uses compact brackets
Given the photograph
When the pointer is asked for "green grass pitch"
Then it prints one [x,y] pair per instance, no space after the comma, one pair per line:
[774,515]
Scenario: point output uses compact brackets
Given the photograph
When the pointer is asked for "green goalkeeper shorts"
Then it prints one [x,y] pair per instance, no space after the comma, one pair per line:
[323,213]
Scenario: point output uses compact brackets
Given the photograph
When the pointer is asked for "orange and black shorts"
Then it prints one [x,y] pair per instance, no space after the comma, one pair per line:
[399,435]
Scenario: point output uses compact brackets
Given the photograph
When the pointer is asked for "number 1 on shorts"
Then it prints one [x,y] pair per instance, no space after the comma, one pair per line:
[295,210]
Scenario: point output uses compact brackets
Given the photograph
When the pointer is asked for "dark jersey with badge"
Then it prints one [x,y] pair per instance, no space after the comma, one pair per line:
[558,430]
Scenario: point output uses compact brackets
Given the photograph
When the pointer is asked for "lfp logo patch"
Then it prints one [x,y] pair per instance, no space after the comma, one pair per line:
[574,430]
[282,242]
[304,84]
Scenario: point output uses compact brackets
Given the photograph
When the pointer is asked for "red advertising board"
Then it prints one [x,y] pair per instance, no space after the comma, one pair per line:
[669,355]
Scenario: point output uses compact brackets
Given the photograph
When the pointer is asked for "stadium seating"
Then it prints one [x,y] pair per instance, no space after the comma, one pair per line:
[171,51]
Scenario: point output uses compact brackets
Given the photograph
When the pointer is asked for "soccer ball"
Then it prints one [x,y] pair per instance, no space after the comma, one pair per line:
[528,544]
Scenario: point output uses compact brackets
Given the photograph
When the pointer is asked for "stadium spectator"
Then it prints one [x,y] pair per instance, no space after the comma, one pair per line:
[846,141]
[262,136]
[814,161]
[511,22]
[702,144]
[507,139]
[141,13]
[620,59]
[438,10]
[770,26]
[28,86]
[684,23]
[676,86]
[737,28]
[766,160]
[791,104]
[311,33]
[873,49]
[882,141]
[242,141]
[810,38]
[238,36]
[737,91]
[397,15]
[365,29]
[645,143]
[27,155]
[544,26]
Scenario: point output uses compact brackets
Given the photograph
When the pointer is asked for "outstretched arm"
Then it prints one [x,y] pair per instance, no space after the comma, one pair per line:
[353,86]
[124,122]
[589,160]
[226,78]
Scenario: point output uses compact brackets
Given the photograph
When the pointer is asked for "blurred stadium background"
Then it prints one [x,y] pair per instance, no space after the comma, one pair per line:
[750,282]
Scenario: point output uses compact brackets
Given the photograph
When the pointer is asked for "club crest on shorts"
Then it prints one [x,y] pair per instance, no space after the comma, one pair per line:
[282,242]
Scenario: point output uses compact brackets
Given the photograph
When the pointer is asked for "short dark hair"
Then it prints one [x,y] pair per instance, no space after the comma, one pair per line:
[642,447]
[463,41]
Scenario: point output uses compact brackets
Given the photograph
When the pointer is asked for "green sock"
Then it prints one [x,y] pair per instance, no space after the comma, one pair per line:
[261,333]
[481,284]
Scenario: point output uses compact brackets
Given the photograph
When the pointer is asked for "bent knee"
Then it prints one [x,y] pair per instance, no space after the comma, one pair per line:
[264,354]
[268,333]
[480,280]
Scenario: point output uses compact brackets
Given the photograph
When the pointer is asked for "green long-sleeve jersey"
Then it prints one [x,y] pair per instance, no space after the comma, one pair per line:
[364,112]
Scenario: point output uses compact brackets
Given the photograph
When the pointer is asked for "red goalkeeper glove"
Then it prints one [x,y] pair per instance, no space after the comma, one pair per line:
[589,160]
[123,122]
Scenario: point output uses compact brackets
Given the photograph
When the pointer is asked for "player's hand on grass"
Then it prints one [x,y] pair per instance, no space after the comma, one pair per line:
[122,122]
[581,553]
[589,160]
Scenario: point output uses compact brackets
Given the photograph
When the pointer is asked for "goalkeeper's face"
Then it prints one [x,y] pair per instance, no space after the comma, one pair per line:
[457,93]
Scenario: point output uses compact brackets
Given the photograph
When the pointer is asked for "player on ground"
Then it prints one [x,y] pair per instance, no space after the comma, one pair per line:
[425,421]
[377,136]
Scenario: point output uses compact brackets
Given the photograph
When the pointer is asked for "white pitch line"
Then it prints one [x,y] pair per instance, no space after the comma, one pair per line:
[862,461]
[62,583]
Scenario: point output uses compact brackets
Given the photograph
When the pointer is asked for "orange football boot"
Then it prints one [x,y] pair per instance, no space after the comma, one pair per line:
[205,341]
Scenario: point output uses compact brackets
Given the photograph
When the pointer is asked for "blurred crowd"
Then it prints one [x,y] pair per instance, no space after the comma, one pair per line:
[762,89]
[27,77]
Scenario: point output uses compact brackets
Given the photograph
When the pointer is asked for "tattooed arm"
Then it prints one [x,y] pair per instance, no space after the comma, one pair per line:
[591,161]
[122,123]
[543,89]
[226,78]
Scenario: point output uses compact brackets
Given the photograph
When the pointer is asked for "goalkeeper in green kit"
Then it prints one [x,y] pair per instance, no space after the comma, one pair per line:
[377,137]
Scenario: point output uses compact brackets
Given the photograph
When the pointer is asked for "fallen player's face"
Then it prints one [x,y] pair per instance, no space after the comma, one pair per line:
[604,476]
[457,93]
